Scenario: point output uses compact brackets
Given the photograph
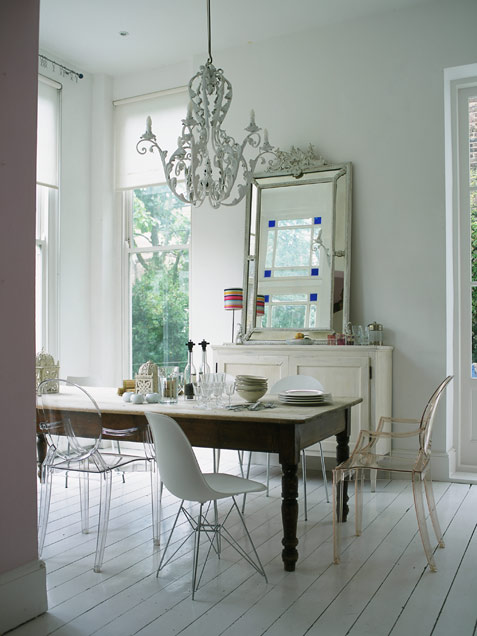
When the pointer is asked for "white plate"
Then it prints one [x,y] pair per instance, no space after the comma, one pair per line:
[303,393]
[307,403]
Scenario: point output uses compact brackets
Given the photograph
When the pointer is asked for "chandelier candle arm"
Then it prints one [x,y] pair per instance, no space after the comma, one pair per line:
[207,161]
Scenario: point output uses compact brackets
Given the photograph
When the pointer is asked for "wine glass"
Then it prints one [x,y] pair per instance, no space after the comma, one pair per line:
[218,388]
[229,389]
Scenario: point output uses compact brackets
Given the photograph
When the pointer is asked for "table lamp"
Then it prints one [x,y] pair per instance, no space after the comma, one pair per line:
[233,299]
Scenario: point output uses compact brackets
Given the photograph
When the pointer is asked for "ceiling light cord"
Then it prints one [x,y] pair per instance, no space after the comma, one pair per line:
[209,60]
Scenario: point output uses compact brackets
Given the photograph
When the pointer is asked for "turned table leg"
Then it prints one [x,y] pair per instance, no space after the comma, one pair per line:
[41,451]
[289,515]
[342,454]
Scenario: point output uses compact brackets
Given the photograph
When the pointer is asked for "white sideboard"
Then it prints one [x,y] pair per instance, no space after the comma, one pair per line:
[345,371]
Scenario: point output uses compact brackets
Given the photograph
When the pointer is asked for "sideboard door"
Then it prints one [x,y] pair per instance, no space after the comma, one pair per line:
[342,376]
[272,367]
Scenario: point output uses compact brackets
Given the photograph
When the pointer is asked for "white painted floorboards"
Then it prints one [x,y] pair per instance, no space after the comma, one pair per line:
[383,585]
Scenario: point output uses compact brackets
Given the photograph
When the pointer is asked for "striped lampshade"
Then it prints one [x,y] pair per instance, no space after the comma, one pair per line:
[260,305]
[233,298]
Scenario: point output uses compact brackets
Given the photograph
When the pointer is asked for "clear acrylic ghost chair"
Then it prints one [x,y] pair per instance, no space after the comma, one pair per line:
[69,451]
[86,381]
[365,456]
[304,382]
[182,476]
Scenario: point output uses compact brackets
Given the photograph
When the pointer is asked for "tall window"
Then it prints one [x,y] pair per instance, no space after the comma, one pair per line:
[471,171]
[461,138]
[158,227]
[46,289]
[157,235]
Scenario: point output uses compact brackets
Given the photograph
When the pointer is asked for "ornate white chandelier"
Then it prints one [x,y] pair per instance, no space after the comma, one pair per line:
[208,163]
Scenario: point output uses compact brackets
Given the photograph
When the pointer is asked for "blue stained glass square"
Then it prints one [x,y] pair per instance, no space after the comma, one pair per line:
[271,224]
[313,297]
[267,298]
[317,220]
[268,273]
[315,271]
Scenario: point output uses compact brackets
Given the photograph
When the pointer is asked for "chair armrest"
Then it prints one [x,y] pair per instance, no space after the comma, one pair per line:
[120,432]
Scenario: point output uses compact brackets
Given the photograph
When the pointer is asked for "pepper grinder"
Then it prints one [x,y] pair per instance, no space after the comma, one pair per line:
[204,366]
[190,374]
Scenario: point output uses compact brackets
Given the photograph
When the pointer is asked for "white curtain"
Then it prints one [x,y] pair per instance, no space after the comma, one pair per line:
[167,110]
[48,132]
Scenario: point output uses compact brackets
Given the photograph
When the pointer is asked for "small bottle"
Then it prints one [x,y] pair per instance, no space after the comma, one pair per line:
[190,375]
[204,367]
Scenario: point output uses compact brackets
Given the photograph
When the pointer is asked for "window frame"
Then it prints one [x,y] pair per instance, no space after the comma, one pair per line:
[459,274]
[128,251]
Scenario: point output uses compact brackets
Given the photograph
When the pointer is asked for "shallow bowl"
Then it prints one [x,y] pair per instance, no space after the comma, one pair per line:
[252,395]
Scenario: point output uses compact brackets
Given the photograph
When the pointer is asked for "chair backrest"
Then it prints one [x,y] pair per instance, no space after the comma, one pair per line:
[178,466]
[290,382]
[83,380]
[427,419]
[63,429]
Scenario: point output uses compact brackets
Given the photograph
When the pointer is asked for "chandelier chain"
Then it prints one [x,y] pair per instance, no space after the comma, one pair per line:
[209,36]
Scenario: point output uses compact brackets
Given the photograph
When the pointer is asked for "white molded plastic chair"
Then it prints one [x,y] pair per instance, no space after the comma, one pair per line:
[69,452]
[287,384]
[182,476]
[364,457]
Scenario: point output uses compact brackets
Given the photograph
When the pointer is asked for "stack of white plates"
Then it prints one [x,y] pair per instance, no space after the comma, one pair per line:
[250,381]
[304,397]
[251,387]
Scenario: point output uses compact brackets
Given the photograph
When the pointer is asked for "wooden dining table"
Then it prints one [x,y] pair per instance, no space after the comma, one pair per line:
[285,430]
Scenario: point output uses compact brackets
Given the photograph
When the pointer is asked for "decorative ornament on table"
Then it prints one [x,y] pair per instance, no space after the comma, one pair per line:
[47,369]
[147,378]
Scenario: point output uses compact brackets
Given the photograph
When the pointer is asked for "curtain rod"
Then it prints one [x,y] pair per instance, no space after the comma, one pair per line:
[64,70]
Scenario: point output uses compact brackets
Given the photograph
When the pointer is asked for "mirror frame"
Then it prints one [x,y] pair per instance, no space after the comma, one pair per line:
[294,164]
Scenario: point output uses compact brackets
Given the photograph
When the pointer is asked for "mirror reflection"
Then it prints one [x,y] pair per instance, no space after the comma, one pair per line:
[297,252]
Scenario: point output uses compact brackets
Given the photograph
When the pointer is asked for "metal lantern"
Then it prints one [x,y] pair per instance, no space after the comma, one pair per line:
[46,369]
[147,378]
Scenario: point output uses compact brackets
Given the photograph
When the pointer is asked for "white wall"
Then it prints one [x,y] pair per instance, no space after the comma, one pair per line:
[370,92]
[22,574]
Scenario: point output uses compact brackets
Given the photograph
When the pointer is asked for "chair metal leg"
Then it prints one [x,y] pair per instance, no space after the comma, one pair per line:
[303,469]
[268,474]
[240,458]
[196,552]
[156,501]
[247,475]
[358,490]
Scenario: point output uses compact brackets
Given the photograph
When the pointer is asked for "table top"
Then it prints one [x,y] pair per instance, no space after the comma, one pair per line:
[110,402]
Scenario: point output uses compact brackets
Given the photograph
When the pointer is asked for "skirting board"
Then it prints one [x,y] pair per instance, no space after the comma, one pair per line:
[22,594]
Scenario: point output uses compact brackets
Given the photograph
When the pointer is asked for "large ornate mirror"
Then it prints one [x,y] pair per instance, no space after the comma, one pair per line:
[297,248]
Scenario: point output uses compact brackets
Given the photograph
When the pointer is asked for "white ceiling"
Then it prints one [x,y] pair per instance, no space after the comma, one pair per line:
[85,33]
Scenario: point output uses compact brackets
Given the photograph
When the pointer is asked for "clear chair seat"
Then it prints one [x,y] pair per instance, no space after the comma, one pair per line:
[391,463]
